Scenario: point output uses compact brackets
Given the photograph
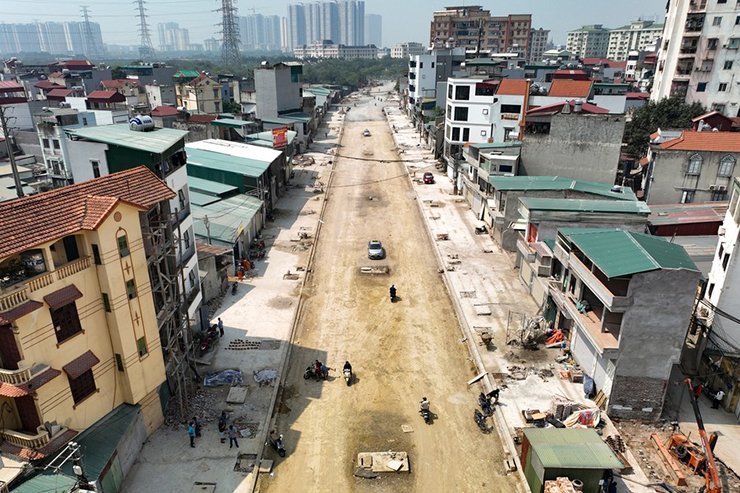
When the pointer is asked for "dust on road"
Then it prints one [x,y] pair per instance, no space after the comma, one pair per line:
[400,352]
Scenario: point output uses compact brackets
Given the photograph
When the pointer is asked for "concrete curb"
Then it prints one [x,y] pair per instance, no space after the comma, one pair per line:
[296,316]
[498,418]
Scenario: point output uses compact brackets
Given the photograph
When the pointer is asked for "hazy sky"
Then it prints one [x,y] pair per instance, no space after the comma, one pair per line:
[403,20]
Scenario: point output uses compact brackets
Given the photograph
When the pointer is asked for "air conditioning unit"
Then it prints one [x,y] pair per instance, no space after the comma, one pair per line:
[712,188]
[721,231]
[721,188]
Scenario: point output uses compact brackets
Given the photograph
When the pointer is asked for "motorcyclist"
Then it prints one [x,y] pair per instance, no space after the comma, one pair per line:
[317,369]
[493,394]
[393,292]
[424,405]
[347,366]
[485,403]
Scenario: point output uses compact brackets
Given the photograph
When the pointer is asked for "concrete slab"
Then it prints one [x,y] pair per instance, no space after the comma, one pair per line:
[237,395]
[203,488]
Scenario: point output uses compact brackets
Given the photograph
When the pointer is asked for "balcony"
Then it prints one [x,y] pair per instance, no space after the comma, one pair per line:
[525,249]
[42,439]
[15,377]
[615,303]
[606,341]
[697,6]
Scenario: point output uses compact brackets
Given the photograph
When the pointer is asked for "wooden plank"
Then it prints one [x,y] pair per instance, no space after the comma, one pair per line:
[476,378]
[668,459]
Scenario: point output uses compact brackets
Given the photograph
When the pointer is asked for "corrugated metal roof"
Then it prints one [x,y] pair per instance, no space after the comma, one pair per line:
[235,157]
[225,217]
[496,145]
[687,213]
[571,448]
[620,253]
[209,187]
[202,199]
[155,141]
[232,123]
[297,116]
[524,183]
[267,136]
[580,205]
[281,121]
[47,482]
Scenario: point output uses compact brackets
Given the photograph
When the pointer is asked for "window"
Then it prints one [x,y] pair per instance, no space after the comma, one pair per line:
[191,278]
[722,87]
[718,196]
[511,108]
[449,112]
[505,168]
[82,386]
[701,87]
[95,168]
[710,290]
[421,64]
[483,133]
[131,289]
[106,302]
[466,134]
[96,254]
[725,166]
[687,196]
[733,43]
[721,250]
[181,197]
[461,113]
[45,143]
[217,106]
[725,261]
[728,65]
[123,246]
[56,144]
[119,362]
[462,93]
[186,239]
[455,133]
[737,20]
[484,89]
[66,322]
[449,91]
[432,64]
[141,346]
[215,93]
[694,165]
[84,121]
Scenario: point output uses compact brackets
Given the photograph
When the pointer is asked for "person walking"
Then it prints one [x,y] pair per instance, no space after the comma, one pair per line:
[222,426]
[233,433]
[220,326]
[718,399]
[191,434]
[196,425]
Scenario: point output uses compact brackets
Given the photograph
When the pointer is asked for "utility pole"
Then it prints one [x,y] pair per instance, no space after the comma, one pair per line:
[229,33]
[146,49]
[9,147]
[72,453]
[207,223]
[91,46]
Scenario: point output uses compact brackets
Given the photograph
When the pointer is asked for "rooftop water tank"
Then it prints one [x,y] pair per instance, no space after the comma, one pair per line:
[141,123]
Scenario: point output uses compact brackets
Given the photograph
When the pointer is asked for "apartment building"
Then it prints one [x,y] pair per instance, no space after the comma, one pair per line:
[428,75]
[407,49]
[339,21]
[78,319]
[538,39]
[51,124]
[638,36]
[373,30]
[589,41]
[698,55]
[695,167]
[327,49]
[472,27]
[624,301]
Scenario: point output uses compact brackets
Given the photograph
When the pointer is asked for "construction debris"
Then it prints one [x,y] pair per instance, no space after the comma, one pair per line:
[560,485]
[383,461]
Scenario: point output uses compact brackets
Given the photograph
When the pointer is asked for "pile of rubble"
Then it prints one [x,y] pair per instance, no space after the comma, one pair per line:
[201,404]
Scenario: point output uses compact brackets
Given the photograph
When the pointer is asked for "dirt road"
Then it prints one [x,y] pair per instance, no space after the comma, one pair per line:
[400,352]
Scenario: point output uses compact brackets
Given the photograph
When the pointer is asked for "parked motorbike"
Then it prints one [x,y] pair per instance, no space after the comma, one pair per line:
[276,443]
[234,287]
[480,420]
[311,373]
[485,404]
[208,342]
[481,230]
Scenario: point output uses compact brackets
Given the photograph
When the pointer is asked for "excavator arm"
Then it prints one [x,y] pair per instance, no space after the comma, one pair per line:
[711,474]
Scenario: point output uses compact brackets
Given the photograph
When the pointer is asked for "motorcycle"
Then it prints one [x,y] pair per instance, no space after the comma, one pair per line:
[348,376]
[208,341]
[234,288]
[311,373]
[481,230]
[276,443]
[485,404]
[426,413]
[480,420]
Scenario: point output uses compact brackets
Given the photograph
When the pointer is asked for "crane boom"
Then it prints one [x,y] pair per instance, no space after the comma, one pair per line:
[711,473]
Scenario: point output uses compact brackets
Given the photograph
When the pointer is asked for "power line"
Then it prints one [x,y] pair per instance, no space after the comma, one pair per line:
[146,50]
[229,32]
[90,43]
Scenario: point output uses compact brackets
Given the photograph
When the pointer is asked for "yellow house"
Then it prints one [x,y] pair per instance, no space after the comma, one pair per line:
[200,96]
[78,329]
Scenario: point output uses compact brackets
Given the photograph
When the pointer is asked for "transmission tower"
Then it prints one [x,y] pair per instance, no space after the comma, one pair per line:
[146,50]
[90,43]
[229,32]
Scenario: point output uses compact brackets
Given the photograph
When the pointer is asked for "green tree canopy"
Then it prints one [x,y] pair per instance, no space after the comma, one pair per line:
[353,73]
[667,113]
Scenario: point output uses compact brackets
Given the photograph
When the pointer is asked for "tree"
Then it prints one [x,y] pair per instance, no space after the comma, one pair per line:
[118,73]
[670,112]
[231,107]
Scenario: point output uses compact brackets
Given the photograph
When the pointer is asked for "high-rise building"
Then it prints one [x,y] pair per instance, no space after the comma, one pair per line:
[698,55]
[589,41]
[212,44]
[374,30]
[164,38]
[638,36]
[57,38]
[172,37]
[472,27]
[296,26]
[537,44]
[341,22]
[330,21]
[259,32]
[352,22]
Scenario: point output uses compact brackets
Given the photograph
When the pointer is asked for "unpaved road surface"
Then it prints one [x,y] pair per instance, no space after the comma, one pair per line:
[400,352]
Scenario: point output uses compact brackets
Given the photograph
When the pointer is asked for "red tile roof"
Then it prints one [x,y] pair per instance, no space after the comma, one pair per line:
[118,82]
[705,141]
[46,376]
[47,84]
[37,219]
[164,111]
[198,79]
[106,97]
[63,296]
[10,86]
[638,95]
[57,75]
[80,364]
[59,93]
[551,109]
[201,118]
[561,88]
[18,311]
[707,115]
[512,87]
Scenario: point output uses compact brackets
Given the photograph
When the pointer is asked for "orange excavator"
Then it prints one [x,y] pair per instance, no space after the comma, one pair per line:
[713,484]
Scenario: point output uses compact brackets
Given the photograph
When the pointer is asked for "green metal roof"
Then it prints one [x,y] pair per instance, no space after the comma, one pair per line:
[226,162]
[550,242]
[98,442]
[209,187]
[156,141]
[297,116]
[202,199]
[317,90]
[186,73]
[484,61]
[571,448]
[232,123]
[46,481]
[496,145]
[524,183]
[620,253]
[580,205]
[225,217]
[281,121]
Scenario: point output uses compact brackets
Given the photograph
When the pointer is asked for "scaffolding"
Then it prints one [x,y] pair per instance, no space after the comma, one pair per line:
[161,240]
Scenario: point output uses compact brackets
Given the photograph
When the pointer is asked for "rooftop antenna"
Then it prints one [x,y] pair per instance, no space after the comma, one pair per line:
[90,44]
[229,32]
[146,49]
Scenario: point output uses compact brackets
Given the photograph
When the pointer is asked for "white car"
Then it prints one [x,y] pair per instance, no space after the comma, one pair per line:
[375,250]
[366,133]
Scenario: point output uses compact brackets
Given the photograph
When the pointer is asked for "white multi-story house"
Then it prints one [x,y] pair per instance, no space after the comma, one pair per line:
[426,72]
[639,35]
[698,56]
[407,49]
[588,41]
[50,126]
